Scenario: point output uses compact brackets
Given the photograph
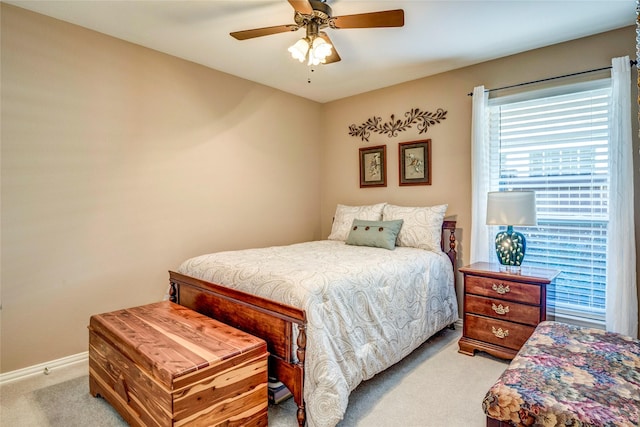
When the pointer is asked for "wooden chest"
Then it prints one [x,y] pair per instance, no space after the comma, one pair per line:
[163,364]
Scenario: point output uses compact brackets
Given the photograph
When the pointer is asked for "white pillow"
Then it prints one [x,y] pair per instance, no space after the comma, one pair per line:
[345,215]
[422,226]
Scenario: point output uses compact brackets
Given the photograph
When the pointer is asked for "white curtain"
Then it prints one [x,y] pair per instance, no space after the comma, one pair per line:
[480,242]
[622,296]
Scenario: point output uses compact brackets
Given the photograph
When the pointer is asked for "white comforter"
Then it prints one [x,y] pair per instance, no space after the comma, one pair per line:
[367,308]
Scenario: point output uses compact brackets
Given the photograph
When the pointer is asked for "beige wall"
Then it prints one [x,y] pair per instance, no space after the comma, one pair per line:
[450,139]
[119,162]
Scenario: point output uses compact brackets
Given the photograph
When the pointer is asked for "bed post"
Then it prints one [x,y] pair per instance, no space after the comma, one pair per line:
[452,247]
[301,352]
[450,226]
[173,292]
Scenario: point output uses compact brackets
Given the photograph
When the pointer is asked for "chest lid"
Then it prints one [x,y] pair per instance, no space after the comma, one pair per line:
[170,341]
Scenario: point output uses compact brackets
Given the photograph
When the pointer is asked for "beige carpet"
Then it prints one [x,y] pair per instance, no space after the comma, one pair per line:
[434,386]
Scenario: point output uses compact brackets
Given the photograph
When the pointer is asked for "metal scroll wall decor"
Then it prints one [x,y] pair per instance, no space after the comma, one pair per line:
[424,120]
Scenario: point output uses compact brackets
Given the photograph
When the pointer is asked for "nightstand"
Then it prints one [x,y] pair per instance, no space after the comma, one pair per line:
[501,308]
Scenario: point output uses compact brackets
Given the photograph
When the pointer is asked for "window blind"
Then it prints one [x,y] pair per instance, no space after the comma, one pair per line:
[556,143]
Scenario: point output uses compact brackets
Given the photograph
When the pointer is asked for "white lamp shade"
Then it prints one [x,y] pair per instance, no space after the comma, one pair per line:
[511,208]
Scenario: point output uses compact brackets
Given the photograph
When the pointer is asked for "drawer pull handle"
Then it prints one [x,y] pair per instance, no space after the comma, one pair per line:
[499,308]
[501,289]
[500,333]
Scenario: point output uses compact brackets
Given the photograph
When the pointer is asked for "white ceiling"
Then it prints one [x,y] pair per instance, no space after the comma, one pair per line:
[438,36]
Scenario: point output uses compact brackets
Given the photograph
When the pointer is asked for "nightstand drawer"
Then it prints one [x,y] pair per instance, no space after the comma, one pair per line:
[499,332]
[503,289]
[501,309]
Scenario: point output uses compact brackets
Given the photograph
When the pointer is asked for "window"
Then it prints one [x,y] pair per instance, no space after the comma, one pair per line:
[556,142]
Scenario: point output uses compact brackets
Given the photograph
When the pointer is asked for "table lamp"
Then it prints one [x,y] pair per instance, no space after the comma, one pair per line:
[511,208]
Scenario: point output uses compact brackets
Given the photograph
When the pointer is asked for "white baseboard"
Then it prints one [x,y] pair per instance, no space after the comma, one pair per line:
[43,368]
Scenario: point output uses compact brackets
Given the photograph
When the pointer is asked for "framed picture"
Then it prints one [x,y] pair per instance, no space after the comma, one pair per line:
[373,166]
[415,162]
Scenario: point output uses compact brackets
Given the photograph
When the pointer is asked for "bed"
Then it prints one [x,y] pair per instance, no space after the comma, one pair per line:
[333,313]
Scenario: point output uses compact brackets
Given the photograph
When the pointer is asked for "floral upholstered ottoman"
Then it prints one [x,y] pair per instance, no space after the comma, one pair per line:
[567,375]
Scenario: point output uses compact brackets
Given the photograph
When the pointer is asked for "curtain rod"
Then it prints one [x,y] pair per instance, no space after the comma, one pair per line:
[632,63]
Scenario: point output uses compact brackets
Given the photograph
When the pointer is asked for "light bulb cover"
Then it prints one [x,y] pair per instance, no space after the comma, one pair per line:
[315,50]
[321,49]
[299,50]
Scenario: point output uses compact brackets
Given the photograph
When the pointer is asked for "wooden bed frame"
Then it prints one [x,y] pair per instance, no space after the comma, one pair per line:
[272,321]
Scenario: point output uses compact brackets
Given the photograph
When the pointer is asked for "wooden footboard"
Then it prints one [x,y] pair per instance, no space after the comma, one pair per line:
[267,319]
[270,320]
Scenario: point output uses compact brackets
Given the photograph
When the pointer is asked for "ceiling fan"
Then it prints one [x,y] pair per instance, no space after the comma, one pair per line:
[316,15]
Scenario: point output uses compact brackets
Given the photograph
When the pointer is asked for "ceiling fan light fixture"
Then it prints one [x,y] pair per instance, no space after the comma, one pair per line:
[315,16]
[319,52]
[315,50]
[299,50]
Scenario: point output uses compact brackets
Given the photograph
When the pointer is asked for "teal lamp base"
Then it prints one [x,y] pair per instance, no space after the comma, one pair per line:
[510,247]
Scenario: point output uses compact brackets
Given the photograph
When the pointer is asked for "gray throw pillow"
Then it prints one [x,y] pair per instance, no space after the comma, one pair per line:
[378,234]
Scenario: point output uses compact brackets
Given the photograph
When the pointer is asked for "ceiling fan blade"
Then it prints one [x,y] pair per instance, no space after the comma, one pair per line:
[387,18]
[302,6]
[259,32]
[334,57]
